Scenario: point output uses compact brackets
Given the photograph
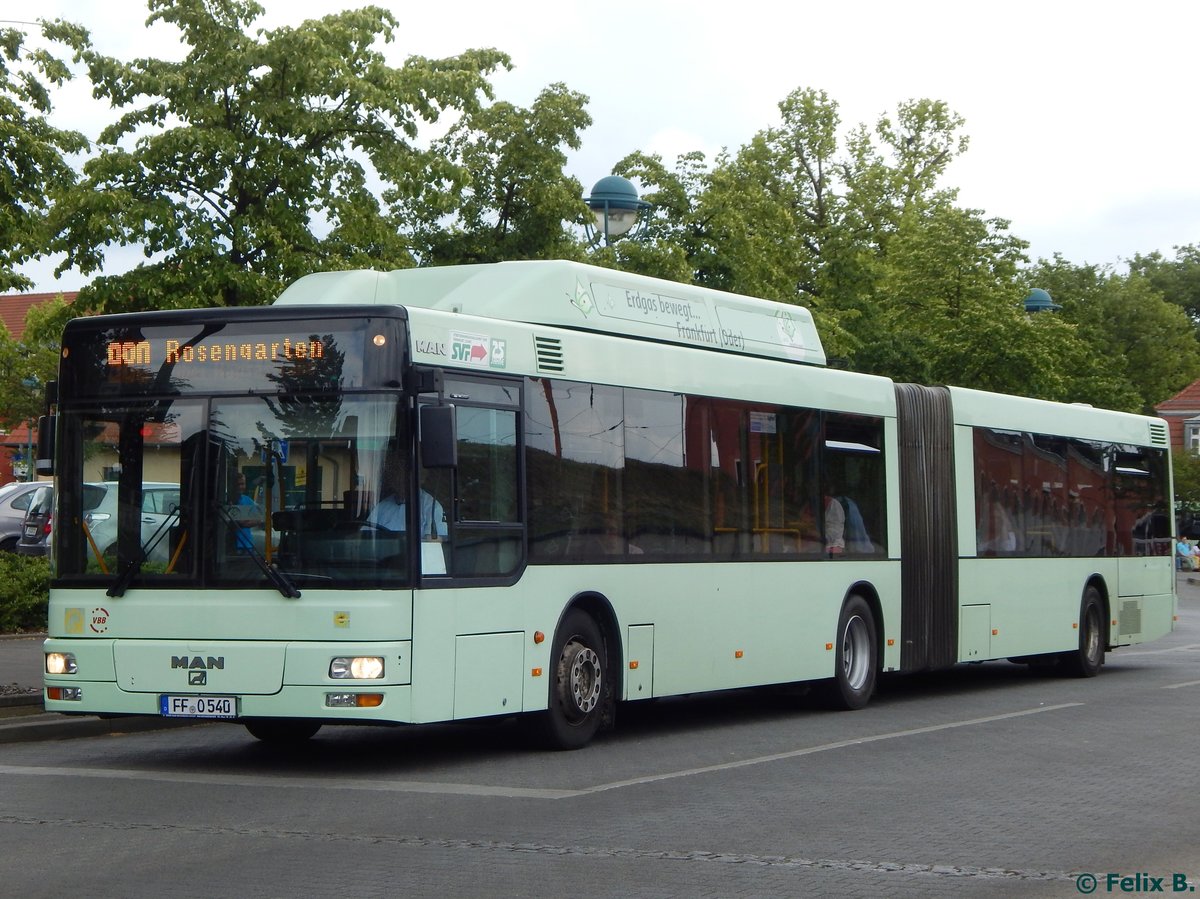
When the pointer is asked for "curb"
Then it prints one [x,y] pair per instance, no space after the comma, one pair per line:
[23,719]
[15,700]
[55,726]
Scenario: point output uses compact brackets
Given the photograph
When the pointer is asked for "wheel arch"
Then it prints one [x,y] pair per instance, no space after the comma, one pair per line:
[867,591]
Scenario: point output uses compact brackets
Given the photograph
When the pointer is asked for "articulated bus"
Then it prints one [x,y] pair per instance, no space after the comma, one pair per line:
[544,489]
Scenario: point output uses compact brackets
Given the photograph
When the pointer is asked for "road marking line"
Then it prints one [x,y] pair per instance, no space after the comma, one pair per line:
[1191,683]
[841,744]
[503,792]
[1121,654]
[384,786]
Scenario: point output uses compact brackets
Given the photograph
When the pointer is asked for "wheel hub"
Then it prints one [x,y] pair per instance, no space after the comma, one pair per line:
[856,652]
[584,679]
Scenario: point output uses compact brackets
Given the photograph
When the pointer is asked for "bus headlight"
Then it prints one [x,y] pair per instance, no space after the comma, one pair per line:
[61,663]
[357,668]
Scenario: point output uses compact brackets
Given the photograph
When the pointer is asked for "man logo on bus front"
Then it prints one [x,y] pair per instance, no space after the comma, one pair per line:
[197,678]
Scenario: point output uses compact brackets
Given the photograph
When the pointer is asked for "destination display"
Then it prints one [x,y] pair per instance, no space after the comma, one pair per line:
[285,355]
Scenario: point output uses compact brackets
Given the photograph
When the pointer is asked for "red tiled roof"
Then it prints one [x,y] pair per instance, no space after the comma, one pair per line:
[1178,409]
[1187,399]
[15,306]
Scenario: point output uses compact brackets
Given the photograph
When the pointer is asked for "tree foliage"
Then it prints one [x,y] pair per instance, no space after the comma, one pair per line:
[28,364]
[1142,349]
[1186,472]
[512,198]
[1178,279]
[905,281]
[34,163]
[24,593]
[256,158]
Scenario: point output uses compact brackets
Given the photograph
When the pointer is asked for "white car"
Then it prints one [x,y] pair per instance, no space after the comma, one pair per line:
[160,512]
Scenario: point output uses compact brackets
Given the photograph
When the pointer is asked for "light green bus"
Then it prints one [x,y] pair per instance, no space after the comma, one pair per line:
[624,488]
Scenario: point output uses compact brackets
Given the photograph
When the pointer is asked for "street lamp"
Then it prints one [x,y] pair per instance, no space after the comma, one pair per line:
[1039,300]
[616,209]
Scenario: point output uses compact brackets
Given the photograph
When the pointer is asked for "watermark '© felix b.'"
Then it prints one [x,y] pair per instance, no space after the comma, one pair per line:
[1134,883]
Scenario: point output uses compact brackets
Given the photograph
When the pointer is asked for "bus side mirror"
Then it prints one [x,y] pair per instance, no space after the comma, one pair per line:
[439,437]
[44,464]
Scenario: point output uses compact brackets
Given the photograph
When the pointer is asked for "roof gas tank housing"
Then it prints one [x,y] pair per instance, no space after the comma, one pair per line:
[583,297]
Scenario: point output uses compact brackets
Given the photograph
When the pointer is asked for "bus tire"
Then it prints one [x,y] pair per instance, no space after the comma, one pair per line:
[282,731]
[580,685]
[856,657]
[1088,658]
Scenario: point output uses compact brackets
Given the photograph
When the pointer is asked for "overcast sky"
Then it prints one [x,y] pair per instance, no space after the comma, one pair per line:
[1082,117]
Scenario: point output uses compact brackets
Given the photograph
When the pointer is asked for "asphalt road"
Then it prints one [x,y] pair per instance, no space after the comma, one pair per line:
[986,780]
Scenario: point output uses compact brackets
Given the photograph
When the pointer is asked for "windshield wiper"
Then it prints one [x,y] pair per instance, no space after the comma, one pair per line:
[274,574]
[134,566]
[131,570]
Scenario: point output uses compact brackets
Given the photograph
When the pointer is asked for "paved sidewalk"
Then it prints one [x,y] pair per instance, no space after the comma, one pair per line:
[21,667]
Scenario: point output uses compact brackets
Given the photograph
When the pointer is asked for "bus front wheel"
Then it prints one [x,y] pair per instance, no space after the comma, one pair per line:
[580,690]
[855,657]
[1087,659]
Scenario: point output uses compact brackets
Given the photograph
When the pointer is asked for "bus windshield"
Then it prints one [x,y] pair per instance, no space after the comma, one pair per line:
[290,491]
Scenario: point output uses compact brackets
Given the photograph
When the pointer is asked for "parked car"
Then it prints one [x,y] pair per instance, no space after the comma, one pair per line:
[160,510]
[36,528]
[14,502]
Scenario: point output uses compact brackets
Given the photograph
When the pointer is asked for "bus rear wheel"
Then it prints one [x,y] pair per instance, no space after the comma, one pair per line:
[1088,658]
[855,657]
[580,689]
[282,731]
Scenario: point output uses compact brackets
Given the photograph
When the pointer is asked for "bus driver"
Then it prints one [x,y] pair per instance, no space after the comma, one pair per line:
[390,512]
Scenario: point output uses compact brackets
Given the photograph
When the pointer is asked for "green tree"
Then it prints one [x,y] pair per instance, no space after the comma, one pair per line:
[511,199]
[34,153]
[674,244]
[865,235]
[1178,279]
[27,365]
[1142,348]
[946,304]
[758,221]
[256,159]
[1186,468]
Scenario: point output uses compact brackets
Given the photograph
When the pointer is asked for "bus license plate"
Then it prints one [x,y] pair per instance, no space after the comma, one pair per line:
[198,706]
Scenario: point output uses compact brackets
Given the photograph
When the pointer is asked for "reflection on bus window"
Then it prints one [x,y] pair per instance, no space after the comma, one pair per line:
[666,476]
[1042,496]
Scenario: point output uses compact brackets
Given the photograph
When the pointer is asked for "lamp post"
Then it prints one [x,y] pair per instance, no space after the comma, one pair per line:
[616,210]
[32,383]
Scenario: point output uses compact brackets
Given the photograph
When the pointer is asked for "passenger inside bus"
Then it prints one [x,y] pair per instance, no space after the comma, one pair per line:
[858,540]
[835,516]
[244,511]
